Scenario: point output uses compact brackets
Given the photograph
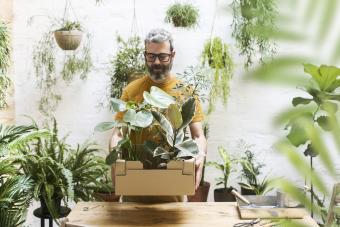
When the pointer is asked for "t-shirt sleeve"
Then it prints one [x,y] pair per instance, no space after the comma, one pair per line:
[125,97]
[199,116]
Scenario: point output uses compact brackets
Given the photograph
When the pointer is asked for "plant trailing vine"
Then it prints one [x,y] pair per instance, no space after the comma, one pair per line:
[182,15]
[253,22]
[216,55]
[49,68]
[127,63]
[5,52]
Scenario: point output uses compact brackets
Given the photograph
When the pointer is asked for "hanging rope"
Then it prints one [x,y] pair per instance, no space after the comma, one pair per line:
[214,19]
[134,26]
[68,6]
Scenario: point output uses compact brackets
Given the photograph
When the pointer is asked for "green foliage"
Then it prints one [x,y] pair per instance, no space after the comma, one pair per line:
[48,67]
[182,15]
[227,166]
[216,55]
[250,172]
[70,25]
[253,24]
[5,53]
[159,111]
[128,60]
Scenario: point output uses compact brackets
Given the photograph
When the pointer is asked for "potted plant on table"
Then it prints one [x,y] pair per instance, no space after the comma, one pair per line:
[69,36]
[182,15]
[250,172]
[168,118]
[226,167]
[106,192]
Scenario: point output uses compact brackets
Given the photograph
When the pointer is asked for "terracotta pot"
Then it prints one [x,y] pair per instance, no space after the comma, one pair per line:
[107,197]
[201,194]
[224,195]
[246,191]
[68,40]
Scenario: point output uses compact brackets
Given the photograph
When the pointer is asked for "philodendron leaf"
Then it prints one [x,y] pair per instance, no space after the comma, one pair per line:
[163,122]
[187,149]
[158,98]
[118,105]
[130,116]
[112,157]
[174,116]
[324,123]
[188,111]
[143,119]
[298,100]
[104,126]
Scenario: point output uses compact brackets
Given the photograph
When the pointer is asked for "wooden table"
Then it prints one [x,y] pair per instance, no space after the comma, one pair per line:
[166,214]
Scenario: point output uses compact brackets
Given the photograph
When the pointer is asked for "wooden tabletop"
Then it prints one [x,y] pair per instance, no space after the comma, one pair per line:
[165,214]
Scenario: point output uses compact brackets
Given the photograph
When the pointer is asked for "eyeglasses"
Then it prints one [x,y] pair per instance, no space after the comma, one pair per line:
[163,57]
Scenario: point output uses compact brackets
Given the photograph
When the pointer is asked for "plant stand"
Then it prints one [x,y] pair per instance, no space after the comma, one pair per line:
[64,211]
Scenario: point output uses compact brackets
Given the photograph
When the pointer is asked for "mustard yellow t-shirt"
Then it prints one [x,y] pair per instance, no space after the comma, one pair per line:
[134,92]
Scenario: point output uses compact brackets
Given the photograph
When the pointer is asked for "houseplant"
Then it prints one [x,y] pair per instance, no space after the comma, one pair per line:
[106,192]
[127,65]
[5,52]
[226,167]
[250,172]
[216,55]
[159,110]
[253,23]
[15,188]
[69,35]
[182,15]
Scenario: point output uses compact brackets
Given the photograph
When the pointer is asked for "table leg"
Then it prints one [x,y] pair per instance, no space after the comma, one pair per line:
[50,221]
[42,222]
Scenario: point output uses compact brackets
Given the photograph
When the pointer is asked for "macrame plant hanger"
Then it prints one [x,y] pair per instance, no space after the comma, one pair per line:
[134,26]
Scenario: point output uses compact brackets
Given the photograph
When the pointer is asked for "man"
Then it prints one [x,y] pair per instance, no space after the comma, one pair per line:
[159,55]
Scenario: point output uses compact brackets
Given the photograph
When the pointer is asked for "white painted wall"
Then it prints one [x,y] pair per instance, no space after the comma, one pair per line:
[251,109]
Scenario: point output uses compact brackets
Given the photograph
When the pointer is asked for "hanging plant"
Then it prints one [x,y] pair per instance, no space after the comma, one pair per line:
[5,52]
[69,36]
[217,57]
[182,15]
[253,22]
[127,65]
[49,70]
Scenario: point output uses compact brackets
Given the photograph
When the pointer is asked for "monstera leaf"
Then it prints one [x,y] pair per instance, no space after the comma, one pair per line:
[139,119]
[158,98]
[118,105]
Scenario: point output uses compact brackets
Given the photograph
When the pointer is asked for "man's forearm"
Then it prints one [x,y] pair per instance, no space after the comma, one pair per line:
[202,145]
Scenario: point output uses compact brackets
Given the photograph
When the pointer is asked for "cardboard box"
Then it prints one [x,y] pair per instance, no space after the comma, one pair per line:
[177,179]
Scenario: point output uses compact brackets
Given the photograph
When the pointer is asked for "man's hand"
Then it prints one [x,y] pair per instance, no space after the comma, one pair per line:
[199,162]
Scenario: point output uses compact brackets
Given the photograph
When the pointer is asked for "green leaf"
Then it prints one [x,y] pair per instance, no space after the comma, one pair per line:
[163,122]
[149,146]
[143,119]
[104,126]
[297,135]
[118,105]
[174,116]
[188,111]
[159,151]
[179,138]
[324,123]
[187,148]
[298,100]
[158,98]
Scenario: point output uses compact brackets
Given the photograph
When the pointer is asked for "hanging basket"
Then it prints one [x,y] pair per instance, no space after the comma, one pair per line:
[68,40]
[248,9]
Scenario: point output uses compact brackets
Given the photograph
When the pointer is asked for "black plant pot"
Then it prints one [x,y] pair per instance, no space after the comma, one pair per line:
[224,195]
[55,201]
[246,191]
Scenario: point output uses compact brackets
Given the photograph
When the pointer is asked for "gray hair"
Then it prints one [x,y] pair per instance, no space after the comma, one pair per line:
[159,35]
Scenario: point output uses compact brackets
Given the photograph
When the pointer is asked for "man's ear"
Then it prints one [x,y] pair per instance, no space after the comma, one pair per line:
[173,53]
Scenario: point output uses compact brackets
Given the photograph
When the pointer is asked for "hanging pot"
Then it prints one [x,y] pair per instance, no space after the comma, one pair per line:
[68,40]
[248,9]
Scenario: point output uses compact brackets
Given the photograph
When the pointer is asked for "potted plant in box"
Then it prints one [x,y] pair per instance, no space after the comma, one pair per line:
[170,119]
[226,167]
[250,172]
[69,36]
